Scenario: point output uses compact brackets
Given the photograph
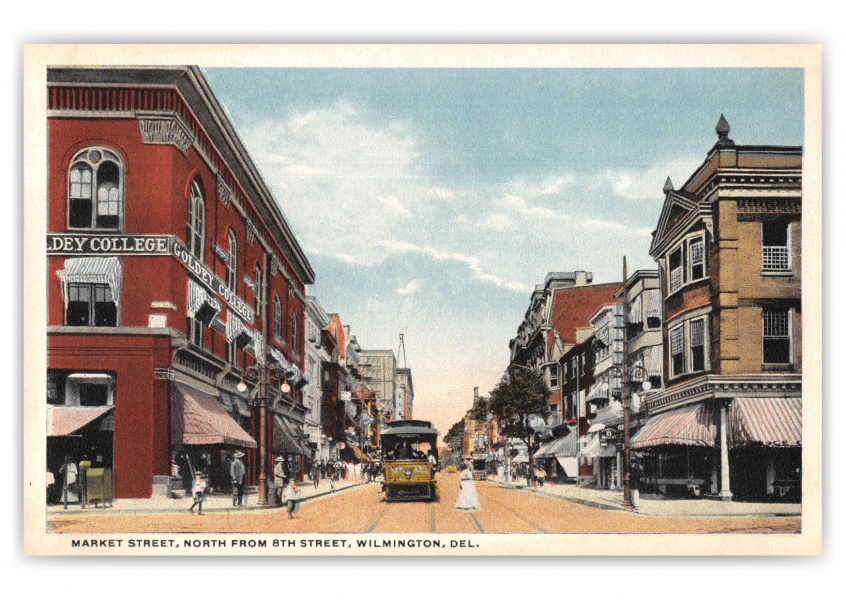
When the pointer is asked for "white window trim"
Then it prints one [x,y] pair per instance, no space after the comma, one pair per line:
[790,337]
[686,267]
[789,249]
[687,348]
[81,157]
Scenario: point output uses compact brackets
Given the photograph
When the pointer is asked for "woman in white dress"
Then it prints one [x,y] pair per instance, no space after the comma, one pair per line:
[467,498]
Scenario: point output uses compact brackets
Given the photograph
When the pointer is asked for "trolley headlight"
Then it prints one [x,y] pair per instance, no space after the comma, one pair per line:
[408,473]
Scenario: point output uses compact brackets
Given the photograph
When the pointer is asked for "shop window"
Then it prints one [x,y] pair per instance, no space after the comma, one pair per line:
[196,331]
[778,338]
[196,229]
[677,351]
[697,344]
[232,263]
[95,190]
[776,245]
[687,263]
[91,304]
[89,389]
[553,376]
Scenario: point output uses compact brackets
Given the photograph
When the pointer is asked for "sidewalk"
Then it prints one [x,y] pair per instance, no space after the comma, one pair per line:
[670,507]
[215,503]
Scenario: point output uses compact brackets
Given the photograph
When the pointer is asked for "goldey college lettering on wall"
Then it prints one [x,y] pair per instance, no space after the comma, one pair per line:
[75,244]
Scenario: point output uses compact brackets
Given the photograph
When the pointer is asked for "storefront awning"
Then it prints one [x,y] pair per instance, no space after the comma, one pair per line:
[285,438]
[598,391]
[198,419]
[569,465]
[563,446]
[636,310]
[106,270]
[652,303]
[767,421]
[691,425]
[67,420]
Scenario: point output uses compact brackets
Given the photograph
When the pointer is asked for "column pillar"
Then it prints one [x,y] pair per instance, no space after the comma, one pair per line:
[725,483]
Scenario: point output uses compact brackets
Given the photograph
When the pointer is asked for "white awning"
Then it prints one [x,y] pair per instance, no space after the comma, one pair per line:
[569,464]
[652,303]
[596,450]
[279,357]
[201,304]
[596,427]
[636,310]
[653,357]
[598,391]
[105,270]
[237,331]
[257,347]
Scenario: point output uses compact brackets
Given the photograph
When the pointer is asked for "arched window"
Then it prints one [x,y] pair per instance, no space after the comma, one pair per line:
[196,229]
[277,318]
[95,190]
[259,291]
[232,263]
[295,333]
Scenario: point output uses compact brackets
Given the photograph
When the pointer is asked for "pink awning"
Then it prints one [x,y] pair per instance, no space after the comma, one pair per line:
[67,420]
[767,421]
[691,425]
[198,419]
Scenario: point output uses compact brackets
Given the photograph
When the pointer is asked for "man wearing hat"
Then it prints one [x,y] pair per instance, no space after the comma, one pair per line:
[238,472]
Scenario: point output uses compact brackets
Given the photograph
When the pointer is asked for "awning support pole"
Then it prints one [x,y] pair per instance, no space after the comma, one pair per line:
[725,483]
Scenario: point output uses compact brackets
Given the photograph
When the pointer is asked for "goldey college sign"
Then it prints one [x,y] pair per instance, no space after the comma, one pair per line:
[81,244]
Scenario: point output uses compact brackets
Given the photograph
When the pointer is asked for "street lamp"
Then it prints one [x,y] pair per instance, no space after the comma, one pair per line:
[263,373]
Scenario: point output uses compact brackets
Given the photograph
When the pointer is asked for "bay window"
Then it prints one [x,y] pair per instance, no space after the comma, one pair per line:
[686,262]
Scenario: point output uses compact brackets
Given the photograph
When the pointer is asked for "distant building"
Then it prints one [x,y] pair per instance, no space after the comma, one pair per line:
[379,369]
[404,389]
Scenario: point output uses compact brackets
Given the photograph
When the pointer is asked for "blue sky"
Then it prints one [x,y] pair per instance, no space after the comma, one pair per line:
[431,201]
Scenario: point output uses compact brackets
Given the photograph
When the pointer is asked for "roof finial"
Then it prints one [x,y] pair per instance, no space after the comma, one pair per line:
[668,186]
[722,130]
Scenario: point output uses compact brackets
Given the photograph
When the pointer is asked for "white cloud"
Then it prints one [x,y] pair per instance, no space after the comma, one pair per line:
[395,206]
[646,184]
[553,186]
[412,287]
[497,222]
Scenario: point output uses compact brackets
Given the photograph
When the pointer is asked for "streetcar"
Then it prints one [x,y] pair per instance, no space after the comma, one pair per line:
[479,462]
[407,446]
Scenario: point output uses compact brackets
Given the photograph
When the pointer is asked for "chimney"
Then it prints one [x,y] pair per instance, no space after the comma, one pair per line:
[475,393]
[583,278]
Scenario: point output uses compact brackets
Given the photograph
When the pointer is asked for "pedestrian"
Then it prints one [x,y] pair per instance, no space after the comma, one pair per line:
[237,472]
[291,496]
[541,476]
[330,470]
[513,472]
[198,492]
[70,486]
[279,476]
[315,474]
[468,500]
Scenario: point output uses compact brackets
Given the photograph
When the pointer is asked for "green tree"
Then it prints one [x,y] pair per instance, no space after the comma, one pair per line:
[518,396]
[454,437]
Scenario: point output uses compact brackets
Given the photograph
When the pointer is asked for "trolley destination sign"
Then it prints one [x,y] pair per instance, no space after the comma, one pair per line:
[86,244]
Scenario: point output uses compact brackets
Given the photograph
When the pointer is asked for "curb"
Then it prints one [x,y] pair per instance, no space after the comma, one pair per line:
[129,511]
[590,503]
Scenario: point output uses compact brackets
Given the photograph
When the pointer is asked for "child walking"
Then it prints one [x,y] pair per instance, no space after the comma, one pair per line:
[198,490]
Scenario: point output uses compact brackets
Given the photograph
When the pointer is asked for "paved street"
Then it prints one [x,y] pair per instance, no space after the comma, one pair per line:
[361,509]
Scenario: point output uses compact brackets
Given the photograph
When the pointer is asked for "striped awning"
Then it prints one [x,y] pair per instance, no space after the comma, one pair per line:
[598,391]
[106,270]
[653,357]
[198,419]
[237,331]
[563,446]
[279,357]
[767,421]
[67,420]
[636,310]
[201,304]
[691,425]
[652,303]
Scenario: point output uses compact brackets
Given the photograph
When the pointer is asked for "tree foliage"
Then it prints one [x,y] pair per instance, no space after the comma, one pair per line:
[454,437]
[519,395]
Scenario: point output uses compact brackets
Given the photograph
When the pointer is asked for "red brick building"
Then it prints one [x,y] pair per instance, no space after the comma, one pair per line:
[171,268]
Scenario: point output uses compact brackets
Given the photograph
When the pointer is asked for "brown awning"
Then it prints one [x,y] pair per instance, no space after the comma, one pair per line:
[67,420]
[691,425]
[767,421]
[285,438]
[198,419]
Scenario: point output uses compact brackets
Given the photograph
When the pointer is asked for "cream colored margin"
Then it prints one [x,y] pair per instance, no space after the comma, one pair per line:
[809,57]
